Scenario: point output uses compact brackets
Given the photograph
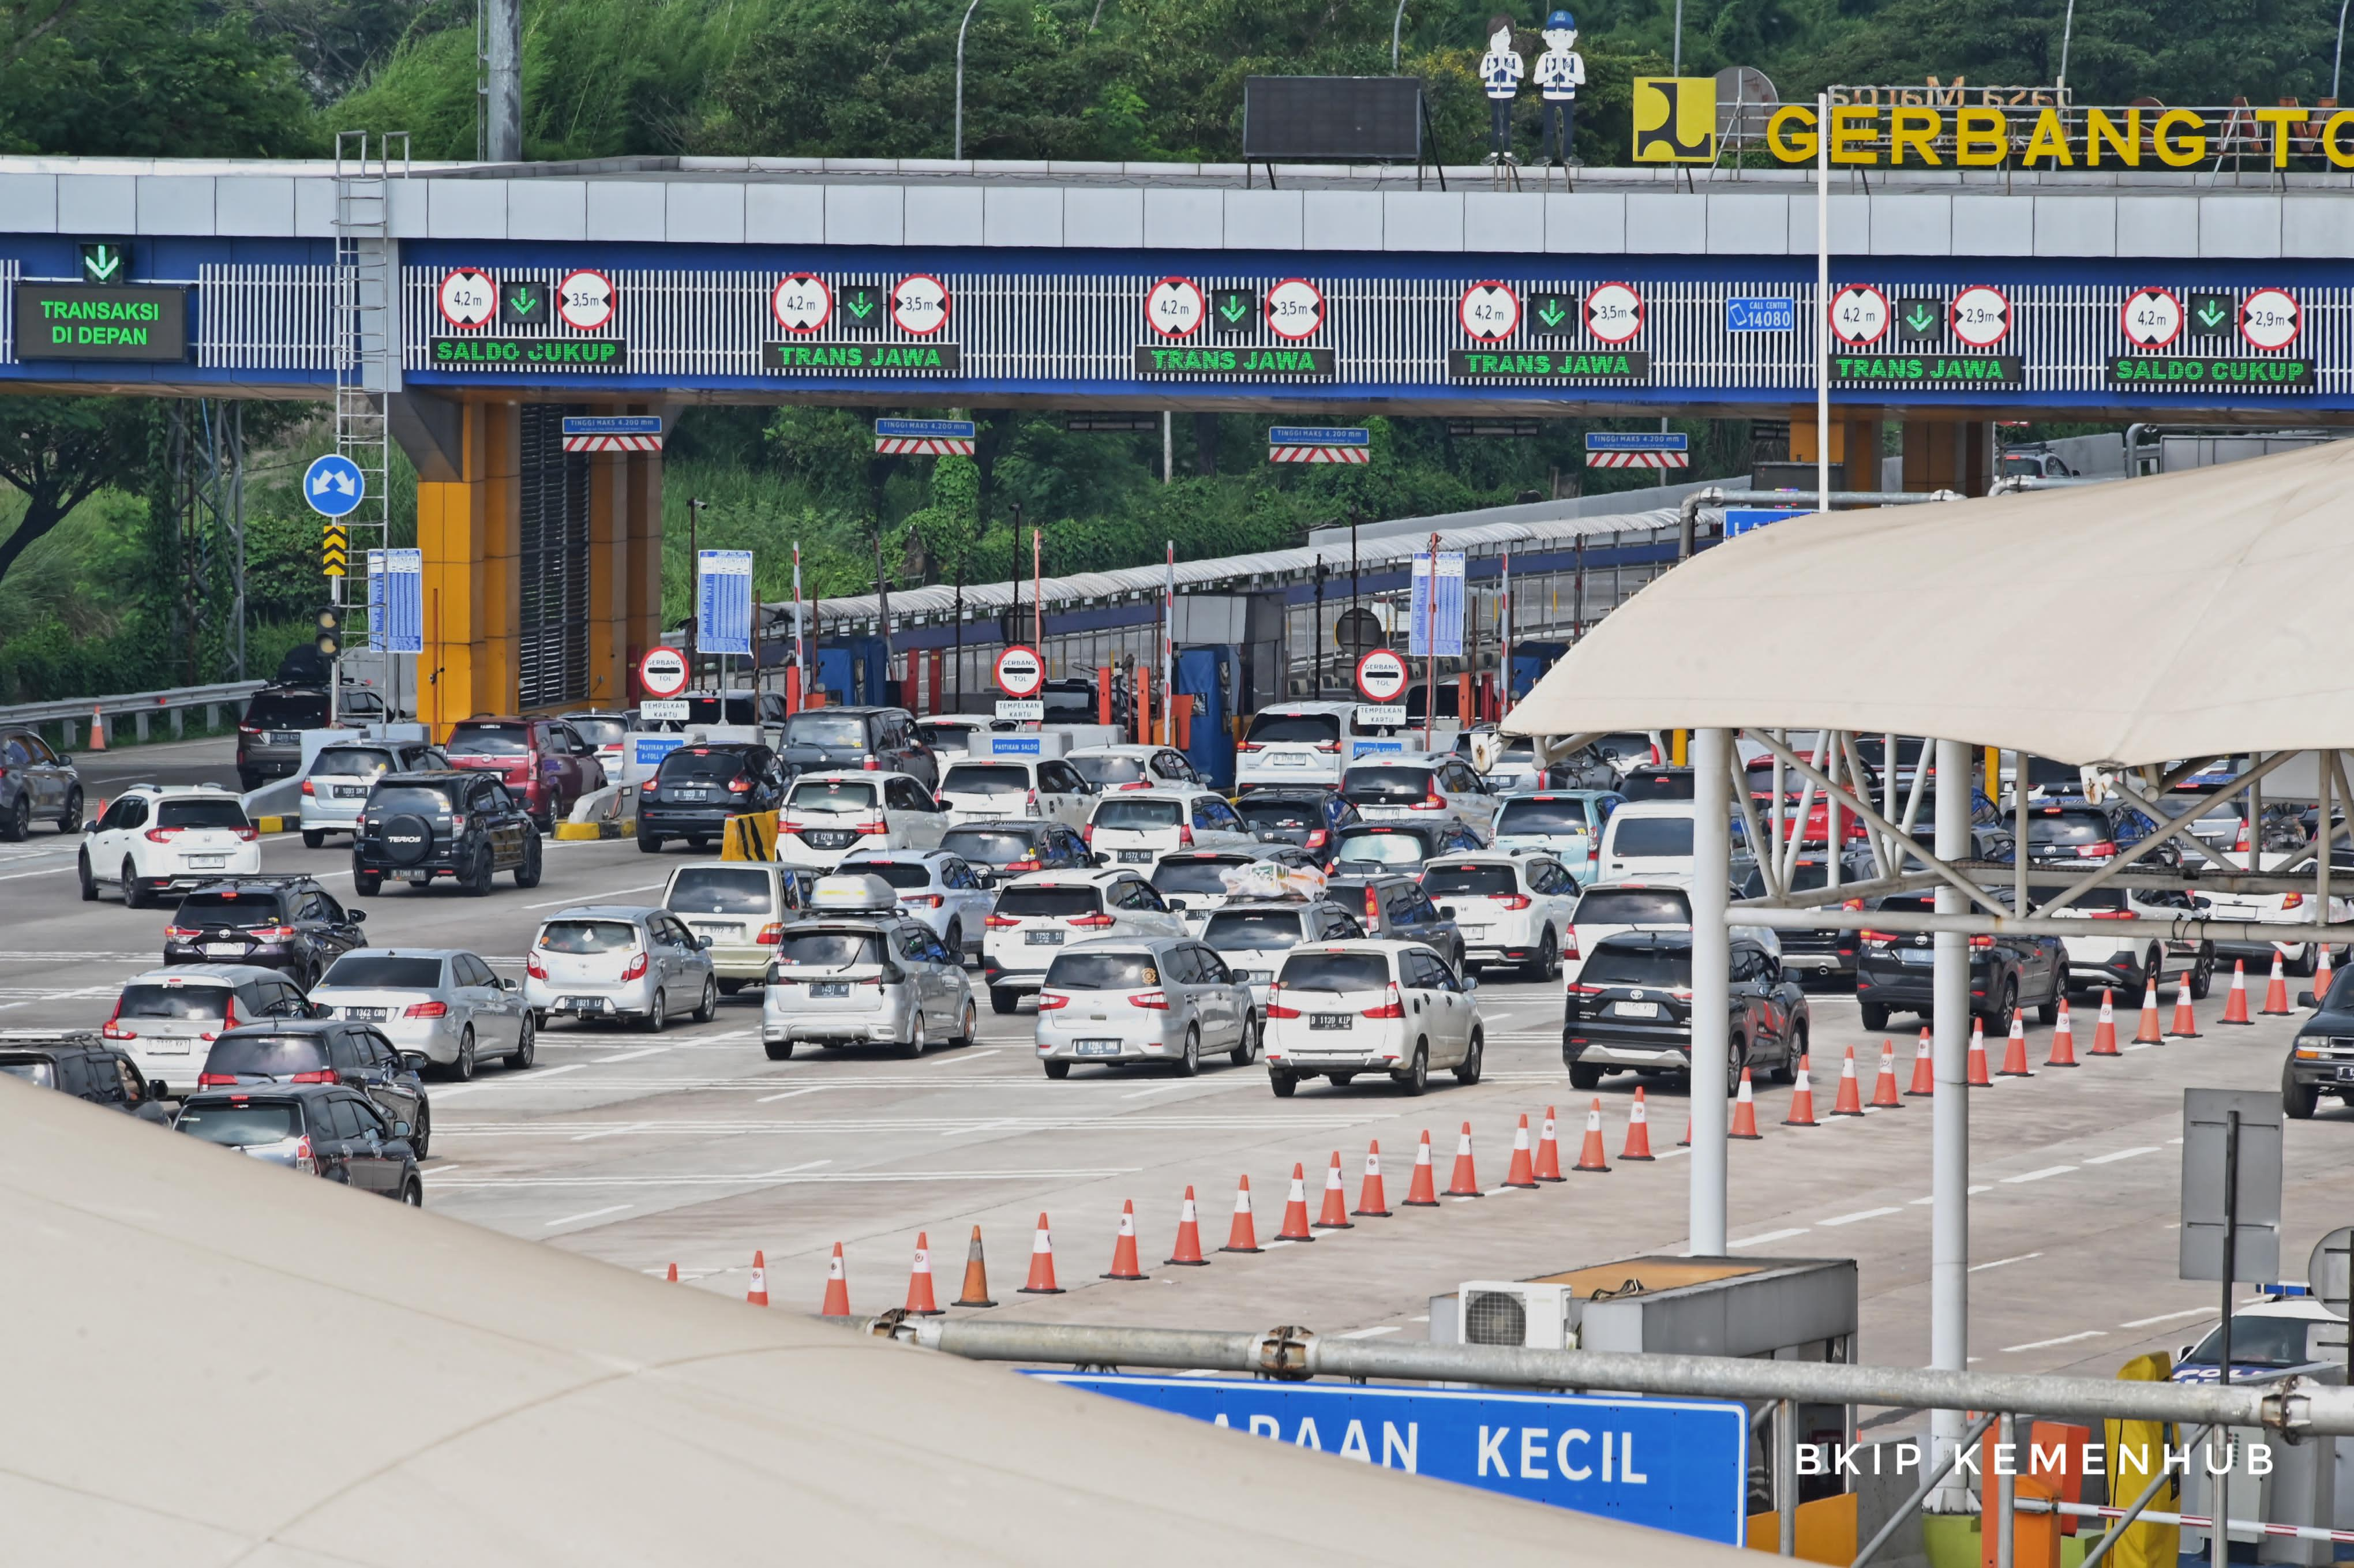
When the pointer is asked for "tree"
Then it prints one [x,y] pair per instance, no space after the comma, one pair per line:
[60,452]
[168,79]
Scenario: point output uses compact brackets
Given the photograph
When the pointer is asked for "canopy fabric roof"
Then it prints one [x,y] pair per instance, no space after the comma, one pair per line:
[213,1361]
[2138,621]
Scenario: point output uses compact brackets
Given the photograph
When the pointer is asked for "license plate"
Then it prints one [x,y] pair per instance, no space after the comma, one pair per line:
[828,840]
[1261,976]
[1134,857]
[830,990]
[225,949]
[1916,956]
[365,1014]
[1476,933]
[206,861]
[718,930]
[1332,1021]
[351,791]
[1042,939]
[285,738]
[1282,759]
[686,794]
[1636,1009]
[1097,1047]
[586,1004]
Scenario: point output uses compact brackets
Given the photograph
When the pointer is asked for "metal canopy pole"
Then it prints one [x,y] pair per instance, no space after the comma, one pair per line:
[1949,1181]
[1711,963]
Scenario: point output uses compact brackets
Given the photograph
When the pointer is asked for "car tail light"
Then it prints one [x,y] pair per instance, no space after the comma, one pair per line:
[873,764]
[1099,921]
[359,819]
[248,729]
[636,968]
[112,1031]
[876,826]
[1318,838]
[534,968]
[428,1009]
[1087,834]
[1249,745]
[1681,992]
[164,835]
[1852,903]
[246,835]
[2292,900]
[458,823]
[649,786]
[181,933]
[2116,915]
[1332,745]
[1394,1008]
[1157,1001]
[1514,900]
[1022,865]
[1030,807]
[215,1080]
[923,900]
[738,786]
[1882,938]
[1185,836]
[1048,1001]
[273,933]
[1373,907]
[771,935]
[1569,943]
[2084,852]
[308,788]
[2242,841]
[316,1075]
[1276,1006]
[1981,941]
[1434,801]
[1002,922]
[1578,988]
[304,1159]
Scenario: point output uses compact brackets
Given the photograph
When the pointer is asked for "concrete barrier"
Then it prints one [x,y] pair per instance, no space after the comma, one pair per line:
[752,836]
[608,813]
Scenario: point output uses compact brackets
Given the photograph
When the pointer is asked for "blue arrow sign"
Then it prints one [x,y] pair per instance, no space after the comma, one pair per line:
[1317,435]
[334,485]
[1636,441]
[612,425]
[921,430]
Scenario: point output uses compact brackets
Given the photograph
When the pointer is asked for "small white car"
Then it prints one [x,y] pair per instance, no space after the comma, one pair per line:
[2284,909]
[165,838]
[936,887]
[1039,915]
[443,1001]
[1564,823]
[1253,936]
[986,787]
[166,1020]
[614,961]
[1654,839]
[1420,789]
[336,789]
[1158,999]
[854,970]
[953,734]
[1654,904]
[1110,768]
[2130,940]
[1345,1008]
[826,816]
[1138,827]
[1512,908]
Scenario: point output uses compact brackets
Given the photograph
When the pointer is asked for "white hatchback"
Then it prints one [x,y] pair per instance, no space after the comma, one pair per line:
[1039,915]
[1137,828]
[1512,908]
[165,838]
[940,889]
[1339,1009]
[986,787]
[826,816]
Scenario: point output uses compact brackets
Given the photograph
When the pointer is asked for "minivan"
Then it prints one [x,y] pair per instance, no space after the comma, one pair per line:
[742,906]
[1305,742]
[1654,839]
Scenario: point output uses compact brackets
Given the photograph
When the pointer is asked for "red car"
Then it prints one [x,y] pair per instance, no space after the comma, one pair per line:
[544,761]
[1817,826]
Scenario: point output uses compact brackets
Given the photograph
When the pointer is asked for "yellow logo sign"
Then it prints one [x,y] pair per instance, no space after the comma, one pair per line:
[1675,120]
[334,552]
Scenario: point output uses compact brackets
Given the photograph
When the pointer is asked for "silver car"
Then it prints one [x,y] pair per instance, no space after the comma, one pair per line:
[939,888]
[443,1001]
[336,789]
[617,962]
[871,977]
[1165,999]
[166,1020]
[1253,936]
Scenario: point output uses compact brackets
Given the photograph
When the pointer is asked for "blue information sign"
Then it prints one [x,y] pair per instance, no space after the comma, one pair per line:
[612,424]
[1761,315]
[1740,520]
[1317,435]
[396,601]
[1673,1465]
[334,485]
[1448,627]
[723,601]
[650,749]
[1636,441]
[960,429]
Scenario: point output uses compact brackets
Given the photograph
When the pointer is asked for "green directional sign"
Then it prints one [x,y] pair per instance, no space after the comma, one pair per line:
[1987,371]
[1237,364]
[1549,367]
[2184,373]
[525,302]
[1552,315]
[1920,321]
[858,307]
[77,321]
[2213,313]
[105,261]
[1233,311]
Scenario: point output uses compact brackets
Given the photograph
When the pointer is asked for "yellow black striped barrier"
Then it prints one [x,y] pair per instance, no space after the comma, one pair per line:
[752,836]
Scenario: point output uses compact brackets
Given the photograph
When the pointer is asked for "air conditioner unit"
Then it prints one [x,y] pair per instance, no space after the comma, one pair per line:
[1510,1312]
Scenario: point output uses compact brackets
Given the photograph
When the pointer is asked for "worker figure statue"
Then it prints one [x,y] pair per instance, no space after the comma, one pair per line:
[1561,72]
[1500,70]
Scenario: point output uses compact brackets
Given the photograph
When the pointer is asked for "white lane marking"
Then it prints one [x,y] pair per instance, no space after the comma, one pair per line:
[1675,1154]
[1273,1245]
[1372,1333]
[1998,1263]
[2062,1340]
[1858,1214]
[787,1178]
[2035,1175]
[552,903]
[1769,1236]
[977,1056]
[520,1082]
[442,1170]
[2142,1045]
[1932,1198]
[788,1093]
[2173,1140]
[606,1132]
[2118,1154]
[629,1056]
[1155,1089]
[2167,1317]
[1468,1198]
[975,1127]
[575,1219]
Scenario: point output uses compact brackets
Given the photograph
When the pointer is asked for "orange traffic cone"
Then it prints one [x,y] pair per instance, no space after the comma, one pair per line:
[2276,992]
[1422,1193]
[673,1274]
[1548,1152]
[2014,1052]
[1334,1216]
[2186,1022]
[1745,1111]
[2063,1040]
[1241,1235]
[919,1281]
[1523,1171]
[758,1294]
[1189,1238]
[2104,1031]
[1590,1157]
[2235,1005]
[1639,1129]
[1978,1063]
[2321,976]
[1851,1093]
[1295,1210]
[97,730]
[1685,1141]
[1123,1251]
[1042,1263]
[1883,1088]
[1463,1182]
[1802,1099]
[976,1276]
[1925,1070]
[1372,1202]
[2148,1033]
[837,1288]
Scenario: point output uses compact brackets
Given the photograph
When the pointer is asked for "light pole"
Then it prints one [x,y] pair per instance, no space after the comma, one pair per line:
[2068,29]
[960,104]
[1398,21]
[2338,64]
[1676,62]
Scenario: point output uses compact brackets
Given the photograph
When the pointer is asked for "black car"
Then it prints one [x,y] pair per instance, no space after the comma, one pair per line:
[453,823]
[1012,848]
[84,1067]
[818,741]
[1307,817]
[318,1129]
[326,1051]
[2080,833]
[1395,908]
[287,923]
[1657,783]
[270,733]
[1825,951]
[2320,1059]
[1893,969]
[1361,849]
[698,788]
[1629,1010]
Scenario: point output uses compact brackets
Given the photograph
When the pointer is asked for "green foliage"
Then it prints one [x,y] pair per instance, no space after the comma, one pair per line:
[174,78]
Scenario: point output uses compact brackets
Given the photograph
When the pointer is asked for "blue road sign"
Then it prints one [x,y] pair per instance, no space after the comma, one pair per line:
[723,600]
[334,485]
[648,750]
[1318,435]
[396,601]
[919,429]
[1636,441]
[612,424]
[1740,520]
[1761,315]
[1449,623]
[1673,1465]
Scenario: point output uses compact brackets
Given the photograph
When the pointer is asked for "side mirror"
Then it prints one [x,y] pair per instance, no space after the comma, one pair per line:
[1099,858]
[1175,903]
[702,944]
[1446,911]
[1471,982]
[2305,998]
[400,1129]
[2200,901]
[504,983]
[357,917]
[415,1061]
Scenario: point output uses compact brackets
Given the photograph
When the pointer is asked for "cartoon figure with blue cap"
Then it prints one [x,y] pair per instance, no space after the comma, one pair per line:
[1500,70]
[1561,72]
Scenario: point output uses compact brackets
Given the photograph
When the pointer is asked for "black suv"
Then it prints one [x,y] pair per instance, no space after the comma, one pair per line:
[2078,832]
[455,823]
[1306,817]
[698,788]
[1658,783]
[79,1065]
[269,735]
[1012,848]
[326,1051]
[286,923]
[818,740]
[1893,969]
[1629,1008]
[318,1129]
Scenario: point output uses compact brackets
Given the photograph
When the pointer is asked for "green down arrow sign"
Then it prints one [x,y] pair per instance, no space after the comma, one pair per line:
[103,262]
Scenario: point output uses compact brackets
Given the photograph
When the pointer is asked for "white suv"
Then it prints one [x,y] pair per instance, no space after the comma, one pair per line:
[826,816]
[1138,827]
[166,838]
[988,787]
[1339,1009]
[1420,789]
[1039,915]
[1512,908]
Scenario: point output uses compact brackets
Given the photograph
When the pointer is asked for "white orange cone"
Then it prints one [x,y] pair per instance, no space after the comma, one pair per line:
[1463,1182]
[1042,1263]
[1590,1157]
[920,1303]
[1745,1111]
[1522,1171]
[758,1295]
[2276,992]
[1189,1238]
[1549,1151]
[1335,1215]
[2150,1034]
[976,1276]
[1373,1199]
[1295,1209]
[837,1288]
[1925,1070]
[2063,1039]
[2235,1005]
[2014,1052]
[1639,1129]
[2186,1021]
[1977,1078]
[1883,1088]
[1242,1233]
[1850,1092]
[2104,1031]
[1802,1099]
[1123,1251]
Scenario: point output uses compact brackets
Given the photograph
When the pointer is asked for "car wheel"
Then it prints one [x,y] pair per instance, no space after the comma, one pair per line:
[1584,1078]
[421,1138]
[1736,1058]
[2202,976]
[133,896]
[698,842]
[1002,1000]
[1415,1077]
[367,884]
[913,1046]
[1787,1072]
[477,880]
[314,839]
[18,823]
[70,821]
[1546,965]
[968,1025]
[954,941]
[1875,1016]
[462,1069]
[88,883]
[708,1008]
[2000,1018]
[1285,1085]
[2303,965]
[526,1049]
[657,1013]
[413,1194]
[2297,1100]
[527,873]
[1468,1073]
[778,1050]
[651,843]
[1057,1070]
[1189,1064]
[1247,1052]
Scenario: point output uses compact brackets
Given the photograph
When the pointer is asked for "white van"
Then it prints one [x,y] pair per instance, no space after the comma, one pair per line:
[1311,743]
[1649,839]
[981,788]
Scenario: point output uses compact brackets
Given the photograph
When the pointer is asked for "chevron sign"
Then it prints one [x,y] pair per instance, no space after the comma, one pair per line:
[923,438]
[1301,444]
[1637,448]
[334,550]
[612,433]
[1635,459]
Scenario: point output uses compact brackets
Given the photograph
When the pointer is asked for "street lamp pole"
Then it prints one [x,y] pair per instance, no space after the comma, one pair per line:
[2338,64]
[969,10]
[2068,30]
[1398,22]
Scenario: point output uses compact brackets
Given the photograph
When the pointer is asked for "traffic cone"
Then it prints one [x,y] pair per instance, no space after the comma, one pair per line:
[97,730]
[1295,1210]
[1189,1238]
[919,1281]
[976,1276]
[2148,1033]
[1802,1099]
[1685,1141]
[1372,1202]
[1422,1193]
[1639,1129]
[1548,1152]
[2014,1052]
[1042,1263]
[1745,1111]
[1850,1092]
[2063,1040]
[2186,1022]
[1978,1063]
[758,1295]
[2321,976]
[1590,1157]
[2104,1031]
[1335,1213]
[1883,1088]
[1123,1251]
[1524,1171]
[2276,992]
[837,1288]
[1241,1235]
[2235,1005]
[1925,1070]
[1463,1182]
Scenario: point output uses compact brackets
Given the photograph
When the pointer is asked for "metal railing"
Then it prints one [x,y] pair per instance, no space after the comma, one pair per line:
[138,706]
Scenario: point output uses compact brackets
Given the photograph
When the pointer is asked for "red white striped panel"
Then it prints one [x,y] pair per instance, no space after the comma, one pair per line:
[1635,459]
[613,443]
[924,446]
[1318,454]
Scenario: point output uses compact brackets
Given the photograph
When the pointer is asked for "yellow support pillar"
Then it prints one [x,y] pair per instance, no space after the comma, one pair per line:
[641,484]
[1948,454]
[466,530]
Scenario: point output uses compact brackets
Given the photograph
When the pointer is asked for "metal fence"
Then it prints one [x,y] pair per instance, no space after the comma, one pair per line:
[139,708]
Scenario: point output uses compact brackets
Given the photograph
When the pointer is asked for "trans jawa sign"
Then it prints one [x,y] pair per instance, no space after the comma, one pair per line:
[2051,136]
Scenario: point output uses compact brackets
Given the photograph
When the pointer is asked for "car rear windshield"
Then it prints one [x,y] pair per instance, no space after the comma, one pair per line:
[44,1074]
[1373,786]
[1335,972]
[2092,899]
[829,949]
[1256,930]
[390,800]
[1106,771]
[1103,971]
[1647,784]
[1379,847]
[990,846]
[1628,746]
[721,890]
[287,710]
[1652,837]
[471,738]
[373,970]
[1806,876]
[350,761]
[899,873]
[1535,814]
[1634,906]
[986,778]
[201,813]
[1191,875]
[1614,965]
[234,1125]
[242,910]
[825,729]
[589,936]
[705,708]
[1274,814]
[2067,828]
[1475,880]
[1139,816]
[599,731]
[832,795]
[272,1055]
[174,1001]
[1062,903]
[1296,729]
[695,764]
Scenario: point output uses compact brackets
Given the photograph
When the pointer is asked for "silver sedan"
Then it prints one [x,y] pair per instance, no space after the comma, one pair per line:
[443,1002]
[1169,999]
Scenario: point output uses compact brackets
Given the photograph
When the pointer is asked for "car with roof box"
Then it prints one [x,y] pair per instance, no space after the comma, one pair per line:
[619,962]
[284,922]
[444,1003]
[1040,914]
[336,790]
[1630,1010]
[1009,847]
[80,1064]
[826,817]
[879,739]
[166,1020]
[854,970]
[326,1051]
[1340,1011]
[696,788]
[38,783]
[157,838]
[1136,1000]
[741,906]
[1253,934]
[459,824]
[313,1130]
[940,889]
[1512,908]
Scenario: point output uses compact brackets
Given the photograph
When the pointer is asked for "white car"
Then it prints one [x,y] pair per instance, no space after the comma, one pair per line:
[1138,827]
[443,1001]
[1111,767]
[985,787]
[826,816]
[1656,904]
[1297,743]
[1564,823]
[336,789]
[1420,789]
[166,838]
[616,961]
[2284,910]
[953,734]
[166,1020]
[1153,999]
[1253,936]
[1512,908]
[940,889]
[1039,915]
[2129,941]
[1654,839]
[1345,1008]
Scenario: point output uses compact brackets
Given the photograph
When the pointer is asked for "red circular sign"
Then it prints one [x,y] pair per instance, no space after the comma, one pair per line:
[467,298]
[802,302]
[1382,676]
[1020,671]
[1294,309]
[584,301]
[663,671]
[1175,307]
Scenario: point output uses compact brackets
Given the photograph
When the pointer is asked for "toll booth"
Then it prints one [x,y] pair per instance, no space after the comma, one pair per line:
[1206,673]
[1530,661]
[853,671]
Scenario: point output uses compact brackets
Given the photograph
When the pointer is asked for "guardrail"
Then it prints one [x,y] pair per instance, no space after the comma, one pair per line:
[137,706]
